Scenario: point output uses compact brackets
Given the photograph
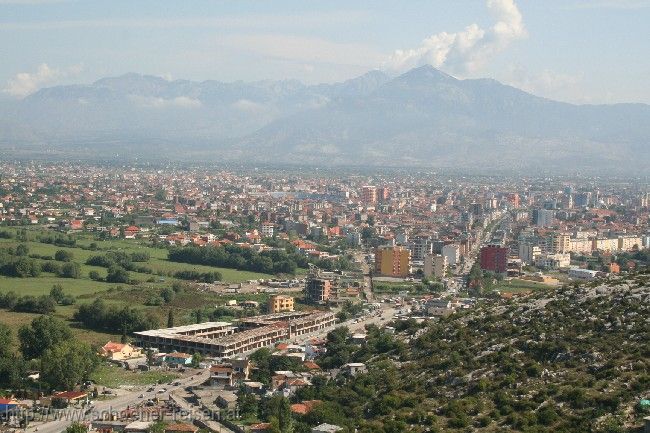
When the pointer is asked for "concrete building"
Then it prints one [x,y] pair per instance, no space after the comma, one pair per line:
[494,258]
[452,253]
[267,229]
[581,245]
[605,244]
[222,339]
[393,261]
[280,303]
[420,247]
[553,261]
[629,243]
[528,253]
[435,265]
[317,290]
[561,243]
[543,217]
[369,194]
[582,274]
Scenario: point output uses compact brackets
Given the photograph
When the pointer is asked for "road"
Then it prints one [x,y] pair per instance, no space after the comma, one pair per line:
[119,403]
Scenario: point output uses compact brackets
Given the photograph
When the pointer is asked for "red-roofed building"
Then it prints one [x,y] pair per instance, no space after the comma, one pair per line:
[130,232]
[181,428]
[118,351]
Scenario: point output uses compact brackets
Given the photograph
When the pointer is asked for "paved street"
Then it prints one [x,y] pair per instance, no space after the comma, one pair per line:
[119,403]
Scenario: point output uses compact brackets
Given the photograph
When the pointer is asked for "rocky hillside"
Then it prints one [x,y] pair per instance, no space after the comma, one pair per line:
[572,360]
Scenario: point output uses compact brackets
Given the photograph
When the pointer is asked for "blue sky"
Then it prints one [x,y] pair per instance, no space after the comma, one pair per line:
[584,51]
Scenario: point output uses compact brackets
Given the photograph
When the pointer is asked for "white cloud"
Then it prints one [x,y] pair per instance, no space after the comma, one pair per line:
[610,4]
[309,20]
[466,51]
[547,83]
[303,50]
[248,106]
[26,83]
[156,102]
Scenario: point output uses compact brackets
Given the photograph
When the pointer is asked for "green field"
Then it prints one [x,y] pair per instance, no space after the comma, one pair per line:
[86,290]
[158,261]
[113,376]
[516,285]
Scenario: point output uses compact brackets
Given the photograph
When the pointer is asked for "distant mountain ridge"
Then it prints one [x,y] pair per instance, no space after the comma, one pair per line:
[423,117]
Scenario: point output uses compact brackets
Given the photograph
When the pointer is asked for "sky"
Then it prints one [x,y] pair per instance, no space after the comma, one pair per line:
[580,51]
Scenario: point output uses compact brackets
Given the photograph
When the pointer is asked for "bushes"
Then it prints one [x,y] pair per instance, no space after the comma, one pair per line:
[63,256]
[205,277]
[58,240]
[117,275]
[70,270]
[235,257]
[118,258]
[99,316]
[31,304]
[21,268]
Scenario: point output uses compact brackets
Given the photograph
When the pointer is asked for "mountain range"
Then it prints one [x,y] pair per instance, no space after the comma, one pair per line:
[423,117]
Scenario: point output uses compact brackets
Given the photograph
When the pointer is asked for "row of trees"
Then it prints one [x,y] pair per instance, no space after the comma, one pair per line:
[205,277]
[100,316]
[46,344]
[121,259]
[44,304]
[230,256]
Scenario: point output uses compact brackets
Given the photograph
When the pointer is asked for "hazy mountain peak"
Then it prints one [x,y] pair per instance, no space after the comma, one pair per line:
[423,116]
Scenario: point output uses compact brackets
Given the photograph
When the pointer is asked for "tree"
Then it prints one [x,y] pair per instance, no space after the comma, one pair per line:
[196,360]
[71,270]
[56,292]
[22,250]
[167,294]
[43,333]
[170,318]
[279,413]
[117,274]
[6,340]
[94,275]
[76,427]
[157,427]
[63,256]
[67,364]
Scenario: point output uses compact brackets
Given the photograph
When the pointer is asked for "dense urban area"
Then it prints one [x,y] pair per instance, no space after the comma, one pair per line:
[173,298]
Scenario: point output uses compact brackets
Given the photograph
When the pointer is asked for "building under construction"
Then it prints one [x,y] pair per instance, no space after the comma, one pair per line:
[223,339]
[323,286]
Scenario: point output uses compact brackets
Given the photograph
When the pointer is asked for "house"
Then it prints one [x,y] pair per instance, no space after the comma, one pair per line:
[138,427]
[118,351]
[70,397]
[105,426]
[7,407]
[178,358]
[130,232]
[326,428]
[311,366]
[262,427]
[304,407]
[181,428]
[354,368]
[227,400]
[221,375]
[76,225]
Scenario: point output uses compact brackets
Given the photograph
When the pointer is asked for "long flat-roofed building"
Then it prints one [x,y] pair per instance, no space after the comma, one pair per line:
[224,339]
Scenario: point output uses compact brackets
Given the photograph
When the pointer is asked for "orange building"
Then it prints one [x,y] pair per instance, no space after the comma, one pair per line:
[369,194]
[393,261]
[279,303]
